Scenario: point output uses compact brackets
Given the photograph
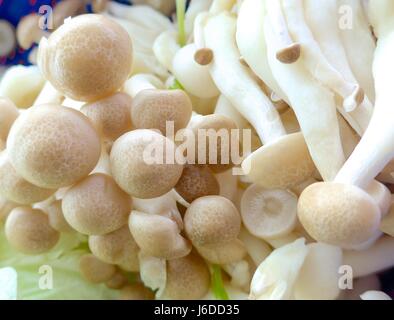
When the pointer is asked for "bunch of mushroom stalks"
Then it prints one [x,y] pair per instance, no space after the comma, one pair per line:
[345,198]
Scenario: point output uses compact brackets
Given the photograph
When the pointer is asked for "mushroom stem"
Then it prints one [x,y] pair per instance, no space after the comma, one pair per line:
[49,94]
[219,6]
[377,258]
[141,82]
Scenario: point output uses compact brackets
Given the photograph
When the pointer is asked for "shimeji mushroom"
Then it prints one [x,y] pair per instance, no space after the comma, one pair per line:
[28,230]
[136,291]
[118,280]
[8,114]
[156,109]
[240,273]
[140,82]
[158,235]
[56,216]
[6,207]
[234,81]
[13,187]
[268,213]
[276,276]
[87,58]
[28,31]
[22,85]
[375,295]
[223,253]
[49,94]
[153,272]
[187,278]
[318,277]
[145,164]
[95,270]
[320,68]
[117,247]
[256,248]
[7,38]
[379,257]
[96,205]
[368,159]
[53,146]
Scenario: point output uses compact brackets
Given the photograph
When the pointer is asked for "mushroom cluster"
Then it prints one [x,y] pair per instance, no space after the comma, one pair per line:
[243,149]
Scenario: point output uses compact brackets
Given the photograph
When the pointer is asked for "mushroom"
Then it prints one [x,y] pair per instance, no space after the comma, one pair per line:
[13,187]
[56,217]
[28,231]
[22,85]
[153,272]
[94,270]
[111,115]
[145,164]
[318,277]
[136,291]
[187,278]
[118,281]
[96,205]
[6,207]
[53,146]
[7,36]
[212,220]
[89,73]
[195,182]
[8,114]
[368,159]
[28,31]
[158,236]
[240,273]
[375,295]
[223,253]
[49,94]
[140,82]
[156,109]
[276,276]
[379,257]
[268,213]
[256,248]
[117,247]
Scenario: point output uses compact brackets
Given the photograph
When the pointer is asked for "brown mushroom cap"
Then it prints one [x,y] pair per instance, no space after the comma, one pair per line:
[158,236]
[152,108]
[28,230]
[215,126]
[197,181]
[87,58]
[282,164]
[118,280]
[188,278]
[136,291]
[56,217]
[13,187]
[53,146]
[111,115]
[223,253]
[212,220]
[117,247]
[131,167]
[96,205]
[6,207]
[8,114]
[338,214]
[94,270]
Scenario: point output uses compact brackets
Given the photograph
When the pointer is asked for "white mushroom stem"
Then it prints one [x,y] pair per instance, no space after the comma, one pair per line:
[221,5]
[240,274]
[321,69]
[165,48]
[141,82]
[195,9]
[153,272]
[234,81]
[49,94]
[252,46]
[376,148]
[257,249]
[359,45]
[198,31]
[377,258]
[314,106]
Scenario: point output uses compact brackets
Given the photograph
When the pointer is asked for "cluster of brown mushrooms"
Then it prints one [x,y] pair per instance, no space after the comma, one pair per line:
[314,192]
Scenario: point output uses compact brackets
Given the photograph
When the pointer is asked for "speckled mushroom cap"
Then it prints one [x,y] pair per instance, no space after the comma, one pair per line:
[15,188]
[212,220]
[273,168]
[338,214]
[152,108]
[117,247]
[96,205]
[28,231]
[87,58]
[140,165]
[53,146]
[95,270]
[187,278]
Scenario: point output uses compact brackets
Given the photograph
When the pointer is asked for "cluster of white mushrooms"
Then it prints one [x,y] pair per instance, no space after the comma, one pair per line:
[314,195]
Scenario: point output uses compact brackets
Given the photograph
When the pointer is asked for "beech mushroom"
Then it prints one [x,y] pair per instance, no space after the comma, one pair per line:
[96,205]
[118,281]
[375,295]
[158,236]
[28,230]
[94,270]
[145,164]
[117,247]
[136,292]
[268,213]
[99,66]
[140,82]
[223,253]
[7,38]
[111,115]
[49,94]
[8,114]
[256,248]
[6,207]
[53,146]
[153,272]
[28,31]
[56,217]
